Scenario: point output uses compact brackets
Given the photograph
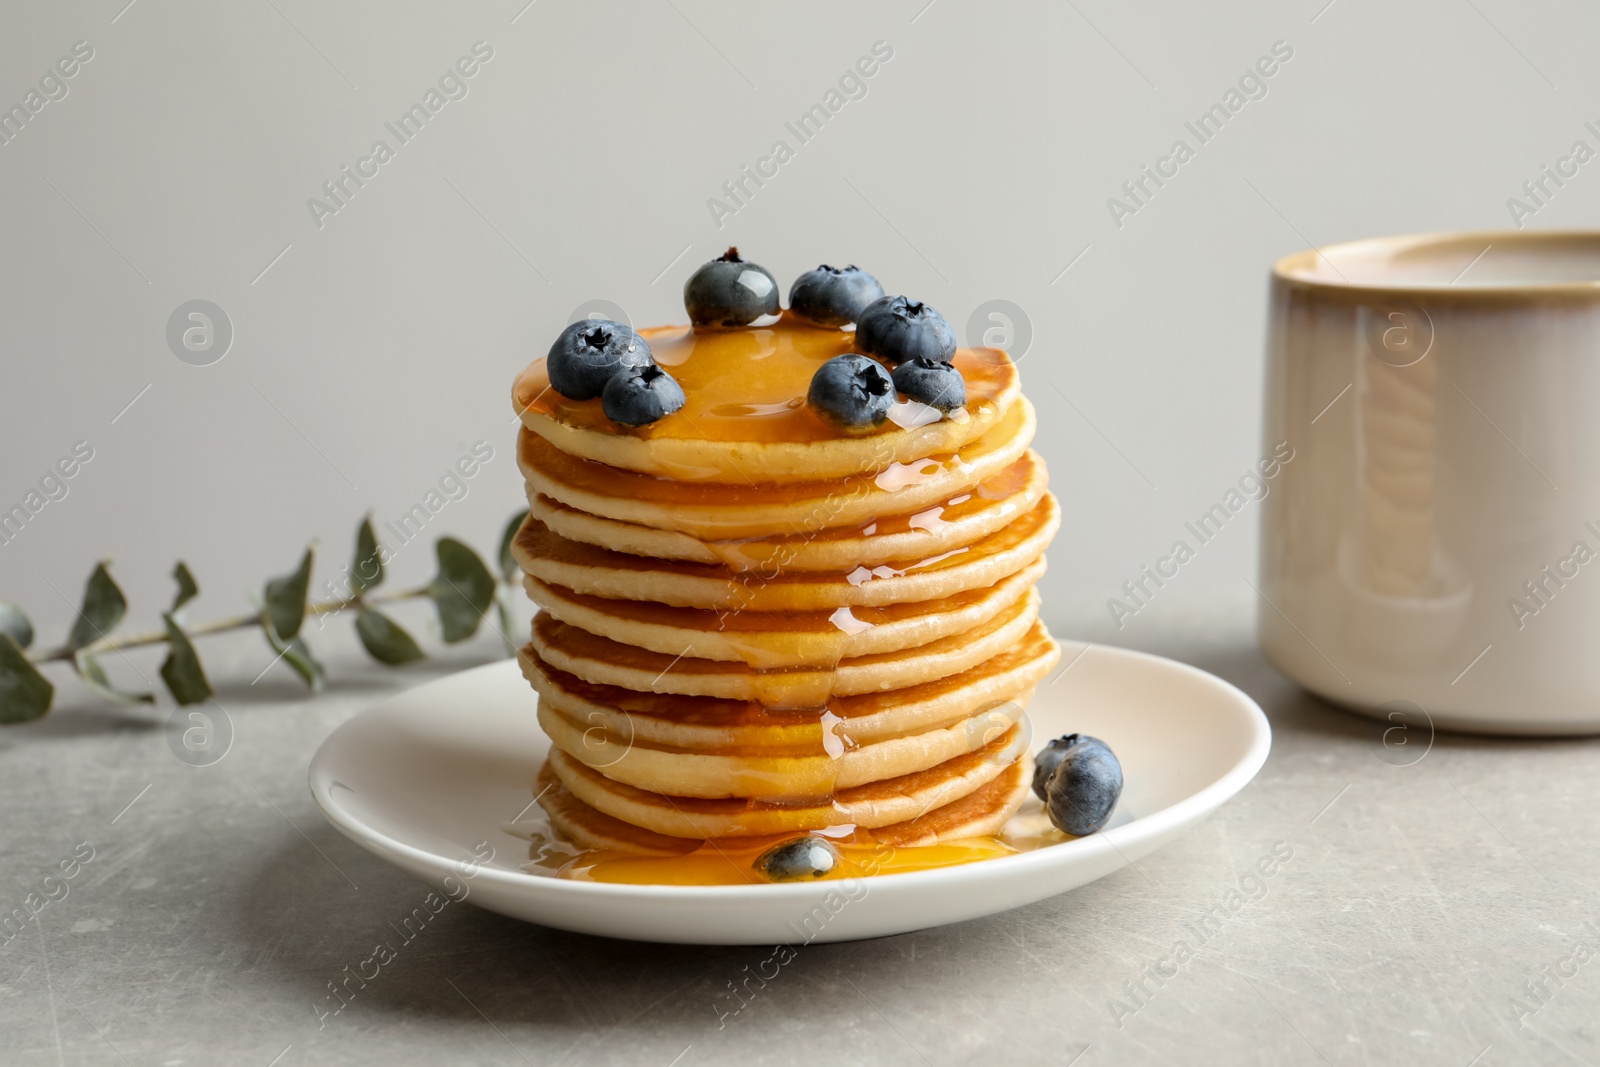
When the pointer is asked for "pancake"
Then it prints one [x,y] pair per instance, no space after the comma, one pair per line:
[585,827]
[770,640]
[712,512]
[957,521]
[983,811]
[754,623]
[873,805]
[605,662]
[745,416]
[593,571]
[714,724]
[832,766]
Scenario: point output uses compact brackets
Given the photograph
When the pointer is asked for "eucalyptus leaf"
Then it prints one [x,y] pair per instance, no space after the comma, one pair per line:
[462,591]
[286,599]
[503,607]
[103,607]
[508,563]
[94,676]
[188,588]
[186,679]
[25,694]
[385,640]
[297,654]
[14,623]
[366,572]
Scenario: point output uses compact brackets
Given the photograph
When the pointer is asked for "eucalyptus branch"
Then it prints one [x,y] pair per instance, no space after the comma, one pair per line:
[221,626]
[463,592]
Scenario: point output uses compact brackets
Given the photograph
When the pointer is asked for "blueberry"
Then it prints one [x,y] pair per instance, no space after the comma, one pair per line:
[729,292]
[852,391]
[833,296]
[589,353]
[927,381]
[804,857]
[1049,758]
[641,395]
[897,329]
[1079,780]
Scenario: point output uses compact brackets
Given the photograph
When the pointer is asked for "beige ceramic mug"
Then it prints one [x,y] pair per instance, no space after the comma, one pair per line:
[1436,541]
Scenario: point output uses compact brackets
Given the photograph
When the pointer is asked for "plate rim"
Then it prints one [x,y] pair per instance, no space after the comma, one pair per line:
[1172,817]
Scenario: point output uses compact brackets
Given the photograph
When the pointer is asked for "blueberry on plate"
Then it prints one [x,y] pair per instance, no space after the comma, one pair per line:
[853,392]
[641,395]
[1079,780]
[590,353]
[897,329]
[927,381]
[833,296]
[729,292]
[804,857]
[1049,758]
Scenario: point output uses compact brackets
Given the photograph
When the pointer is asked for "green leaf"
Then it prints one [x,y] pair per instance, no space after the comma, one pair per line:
[503,606]
[25,694]
[462,591]
[186,679]
[385,640]
[366,572]
[94,676]
[103,607]
[508,563]
[286,599]
[14,622]
[297,654]
[188,588]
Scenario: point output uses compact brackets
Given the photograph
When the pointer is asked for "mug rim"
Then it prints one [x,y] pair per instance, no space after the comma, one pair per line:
[1301,268]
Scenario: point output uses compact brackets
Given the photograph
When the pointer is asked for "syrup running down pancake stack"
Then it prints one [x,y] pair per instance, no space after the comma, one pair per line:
[753,626]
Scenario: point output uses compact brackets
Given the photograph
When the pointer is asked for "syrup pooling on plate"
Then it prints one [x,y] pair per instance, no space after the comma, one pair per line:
[717,865]
[731,862]
[617,852]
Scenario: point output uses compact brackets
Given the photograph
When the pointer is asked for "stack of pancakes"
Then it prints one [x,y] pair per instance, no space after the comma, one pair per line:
[752,625]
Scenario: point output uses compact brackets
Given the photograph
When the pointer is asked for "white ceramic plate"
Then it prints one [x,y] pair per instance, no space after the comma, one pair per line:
[422,778]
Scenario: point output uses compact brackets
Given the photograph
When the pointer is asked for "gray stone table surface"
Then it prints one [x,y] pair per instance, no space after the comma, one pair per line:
[1435,912]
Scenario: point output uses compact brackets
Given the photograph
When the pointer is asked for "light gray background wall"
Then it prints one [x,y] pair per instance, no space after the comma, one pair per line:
[379,347]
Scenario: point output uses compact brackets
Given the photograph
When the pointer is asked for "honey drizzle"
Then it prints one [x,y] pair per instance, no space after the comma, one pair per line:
[747,384]
[742,727]
[738,554]
[784,601]
[804,694]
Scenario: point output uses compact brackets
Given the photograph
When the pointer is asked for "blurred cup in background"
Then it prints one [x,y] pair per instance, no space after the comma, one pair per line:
[1437,539]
